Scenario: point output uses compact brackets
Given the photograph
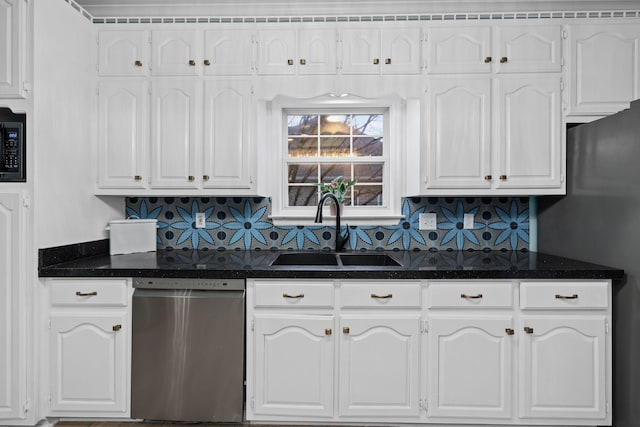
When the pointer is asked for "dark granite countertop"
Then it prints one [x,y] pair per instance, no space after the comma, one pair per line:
[92,260]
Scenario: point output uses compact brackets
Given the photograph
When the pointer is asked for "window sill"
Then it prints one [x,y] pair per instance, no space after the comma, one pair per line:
[329,220]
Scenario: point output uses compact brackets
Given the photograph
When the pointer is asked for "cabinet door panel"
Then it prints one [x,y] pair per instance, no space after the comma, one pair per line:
[530,133]
[470,366]
[294,365]
[459,50]
[11,393]
[401,51]
[123,115]
[379,366]
[361,51]
[604,67]
[563,368]
[228,51]
[276,52]
[458,151]
[173,138]
[123,53]
[317,51]
[529,49]
[173,51]
[227,120]
[12,38]
[87,369]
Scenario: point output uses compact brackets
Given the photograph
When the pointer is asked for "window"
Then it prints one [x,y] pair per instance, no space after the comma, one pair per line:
[322,147]
[316,140]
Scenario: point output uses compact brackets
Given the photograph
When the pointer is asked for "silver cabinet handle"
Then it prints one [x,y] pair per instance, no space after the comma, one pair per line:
[376,296]
[465,296]
[86,294]
[293,296]
[574,296]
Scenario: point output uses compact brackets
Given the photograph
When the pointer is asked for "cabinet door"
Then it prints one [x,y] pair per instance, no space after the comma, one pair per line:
[12,52]
[88,370]
[361,51]
[175,53]
[530,148]
[563,367]
[294,365]
[603,67]
[228,52]
[173,134]
[532,49]
[276,52]
[470,366]
[227,134]
[122,137]
[459,50]
[317,51]
[11,357]
[401,50]
[123,53]
[458,151]
[379,366]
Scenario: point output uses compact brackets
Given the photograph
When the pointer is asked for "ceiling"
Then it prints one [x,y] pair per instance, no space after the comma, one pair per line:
[185,8]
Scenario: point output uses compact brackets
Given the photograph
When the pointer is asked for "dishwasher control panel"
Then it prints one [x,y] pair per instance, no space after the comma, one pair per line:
[189,283]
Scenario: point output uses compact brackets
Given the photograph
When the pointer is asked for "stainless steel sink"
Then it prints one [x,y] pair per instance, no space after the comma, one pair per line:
[375,260]
[305,258]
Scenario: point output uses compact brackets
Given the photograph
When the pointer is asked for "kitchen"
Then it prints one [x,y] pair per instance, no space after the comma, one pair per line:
[63,204]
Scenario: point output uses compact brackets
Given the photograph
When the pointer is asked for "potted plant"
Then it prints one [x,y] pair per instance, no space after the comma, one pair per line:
[338,187]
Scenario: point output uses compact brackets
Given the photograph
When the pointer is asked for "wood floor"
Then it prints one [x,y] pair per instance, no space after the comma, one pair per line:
[148,424]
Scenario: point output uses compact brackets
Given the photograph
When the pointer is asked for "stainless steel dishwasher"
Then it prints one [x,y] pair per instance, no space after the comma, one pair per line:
[188,350]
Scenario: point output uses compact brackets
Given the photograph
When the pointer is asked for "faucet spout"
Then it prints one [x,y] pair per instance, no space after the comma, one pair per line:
[340,239]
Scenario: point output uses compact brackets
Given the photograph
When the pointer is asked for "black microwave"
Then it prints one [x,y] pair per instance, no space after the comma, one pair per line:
[12,146]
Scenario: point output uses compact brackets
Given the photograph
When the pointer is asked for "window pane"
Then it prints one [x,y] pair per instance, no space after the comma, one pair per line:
[334,125]
[368,124]
[303,173]
[303,147]
[334,147]
[330,171]
[368,195]
[302,125]
[303,196]
[367,146]
[370,172]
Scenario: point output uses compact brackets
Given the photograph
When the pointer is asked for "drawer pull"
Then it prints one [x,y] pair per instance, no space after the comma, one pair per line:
[86,294]
[293,296]
[487,59]
[488,177]
[207,62]
[289,61]
[510,331]
[528,330]
[376,296]
[192,63]
[503,177]
[345,330]
[303,61]
[376,61]
[328,331]
[138,63]
[503,59]
[138,177]
[465,296]
[387,61]
[116,328]
[574,296]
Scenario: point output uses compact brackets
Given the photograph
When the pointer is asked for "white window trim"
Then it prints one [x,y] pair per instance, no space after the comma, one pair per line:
[275,153]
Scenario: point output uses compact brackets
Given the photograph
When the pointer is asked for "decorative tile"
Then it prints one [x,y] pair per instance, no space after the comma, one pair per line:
[500,223]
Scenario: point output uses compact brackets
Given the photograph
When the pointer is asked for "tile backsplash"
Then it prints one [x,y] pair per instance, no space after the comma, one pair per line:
[500,223]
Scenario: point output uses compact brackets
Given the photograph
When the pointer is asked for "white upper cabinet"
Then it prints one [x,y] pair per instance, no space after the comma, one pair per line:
[13,51]
[603,67]
[381,51]
[499,48]
[228,52]
[123,53]
[227,134]
[304,51]
[175,53]
[123,134]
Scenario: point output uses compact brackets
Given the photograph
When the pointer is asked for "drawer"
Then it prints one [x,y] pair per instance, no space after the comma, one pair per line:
[470,295]
[387,294]
[89,292]
[294,294]
[564,295]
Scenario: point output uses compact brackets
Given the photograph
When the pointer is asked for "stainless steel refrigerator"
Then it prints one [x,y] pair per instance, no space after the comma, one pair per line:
[599,221]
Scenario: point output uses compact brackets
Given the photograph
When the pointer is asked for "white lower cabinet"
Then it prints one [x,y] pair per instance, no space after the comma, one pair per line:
[464,352]
[89,347]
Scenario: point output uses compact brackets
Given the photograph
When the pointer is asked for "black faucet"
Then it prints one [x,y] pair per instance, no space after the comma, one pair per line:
[340,240]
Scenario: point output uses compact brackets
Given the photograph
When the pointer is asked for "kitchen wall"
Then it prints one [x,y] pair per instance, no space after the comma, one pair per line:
[243,223]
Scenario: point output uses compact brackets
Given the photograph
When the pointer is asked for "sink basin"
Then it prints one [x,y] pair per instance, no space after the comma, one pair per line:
[376,260]
[311,258]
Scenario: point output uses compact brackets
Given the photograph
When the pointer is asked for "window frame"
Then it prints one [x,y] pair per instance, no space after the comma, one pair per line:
[277,155]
